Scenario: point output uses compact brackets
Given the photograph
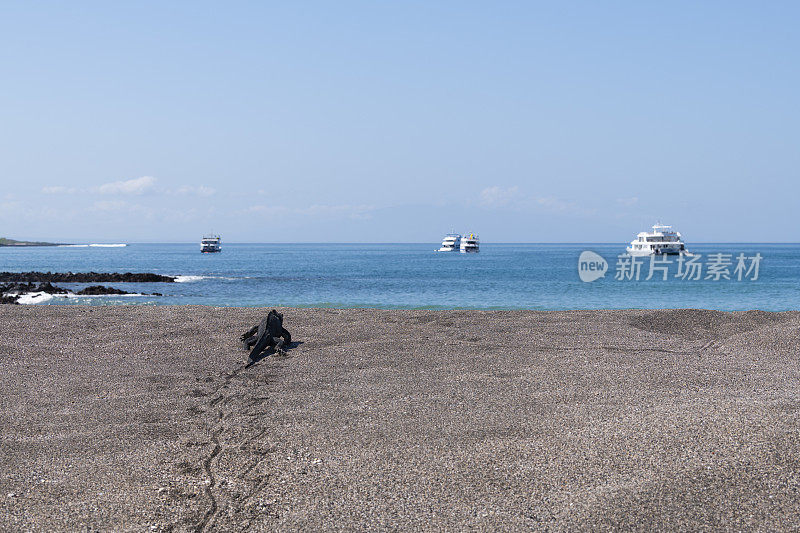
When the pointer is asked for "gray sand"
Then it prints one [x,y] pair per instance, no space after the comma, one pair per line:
[143,418]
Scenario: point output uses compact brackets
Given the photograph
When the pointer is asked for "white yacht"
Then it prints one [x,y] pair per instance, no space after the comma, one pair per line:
[662,240]
[470,244]
[210,244]
[450,243]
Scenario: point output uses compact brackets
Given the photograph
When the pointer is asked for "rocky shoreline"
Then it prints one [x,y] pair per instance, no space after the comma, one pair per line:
[10,293]
[85,277]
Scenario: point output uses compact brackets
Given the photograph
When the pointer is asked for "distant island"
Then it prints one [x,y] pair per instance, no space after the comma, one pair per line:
[12,242]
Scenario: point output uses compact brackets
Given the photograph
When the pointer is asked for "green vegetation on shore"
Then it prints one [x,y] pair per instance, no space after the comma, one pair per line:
[11,242]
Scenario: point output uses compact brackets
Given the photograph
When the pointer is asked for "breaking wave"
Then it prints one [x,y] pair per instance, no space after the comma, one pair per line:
[73,295]
[186,279]
[34,298]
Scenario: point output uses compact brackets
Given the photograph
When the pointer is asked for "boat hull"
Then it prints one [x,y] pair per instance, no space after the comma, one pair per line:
[641,253]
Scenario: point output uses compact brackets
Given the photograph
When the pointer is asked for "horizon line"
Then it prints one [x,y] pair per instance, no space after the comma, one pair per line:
[398,242]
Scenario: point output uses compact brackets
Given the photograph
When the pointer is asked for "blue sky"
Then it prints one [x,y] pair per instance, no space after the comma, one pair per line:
[398,121]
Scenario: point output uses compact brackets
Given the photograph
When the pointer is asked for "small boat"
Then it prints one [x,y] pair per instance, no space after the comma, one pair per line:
[662,240]
[450,243]
[470,244]
[210,244]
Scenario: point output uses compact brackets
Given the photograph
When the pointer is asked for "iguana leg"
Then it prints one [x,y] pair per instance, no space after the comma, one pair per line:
[279,346]
[287,337]
[263,343]
[249,333]
[248,343]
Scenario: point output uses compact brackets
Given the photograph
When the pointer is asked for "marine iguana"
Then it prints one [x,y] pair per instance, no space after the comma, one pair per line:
[269,332]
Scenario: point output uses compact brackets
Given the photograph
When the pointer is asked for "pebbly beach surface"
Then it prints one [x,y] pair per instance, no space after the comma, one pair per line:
[144,418]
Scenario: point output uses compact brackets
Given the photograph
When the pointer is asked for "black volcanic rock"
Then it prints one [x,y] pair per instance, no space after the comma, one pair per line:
[19,288]
[24,288]
[85,277]
[15,290]
[97,290]
[23,284]
[50,289]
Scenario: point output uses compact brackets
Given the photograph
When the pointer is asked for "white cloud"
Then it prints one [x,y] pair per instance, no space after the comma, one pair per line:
[136,186]
[498,196]
[59,189]
[133,186]
[200,190]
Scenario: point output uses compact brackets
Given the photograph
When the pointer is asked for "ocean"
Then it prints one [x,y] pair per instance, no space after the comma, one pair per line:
[412,276]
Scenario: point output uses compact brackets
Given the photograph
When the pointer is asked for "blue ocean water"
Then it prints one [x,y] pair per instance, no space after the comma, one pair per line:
[501,276]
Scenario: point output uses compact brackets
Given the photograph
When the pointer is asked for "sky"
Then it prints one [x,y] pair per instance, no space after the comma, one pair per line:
[384,121]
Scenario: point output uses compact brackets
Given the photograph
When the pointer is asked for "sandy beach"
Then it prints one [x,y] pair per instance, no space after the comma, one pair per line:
[144,418]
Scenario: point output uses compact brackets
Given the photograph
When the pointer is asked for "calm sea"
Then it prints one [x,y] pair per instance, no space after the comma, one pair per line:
[501,276]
